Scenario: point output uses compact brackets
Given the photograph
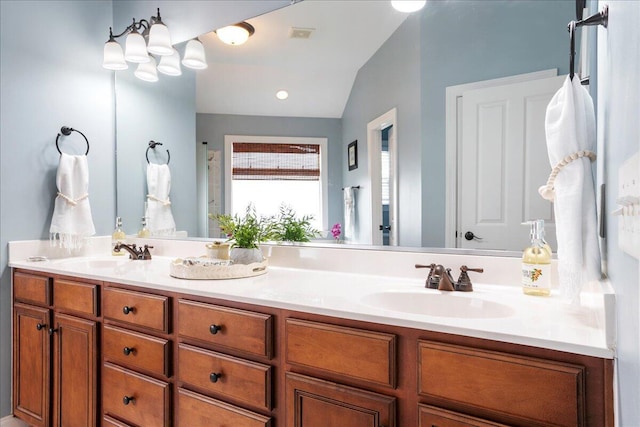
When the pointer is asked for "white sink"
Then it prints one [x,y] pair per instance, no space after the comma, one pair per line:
[439,304]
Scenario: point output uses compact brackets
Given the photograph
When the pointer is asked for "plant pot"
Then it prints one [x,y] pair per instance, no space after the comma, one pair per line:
[246,255]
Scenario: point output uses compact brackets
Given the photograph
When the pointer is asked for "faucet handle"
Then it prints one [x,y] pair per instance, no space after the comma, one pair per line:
[431,282]
[464,283]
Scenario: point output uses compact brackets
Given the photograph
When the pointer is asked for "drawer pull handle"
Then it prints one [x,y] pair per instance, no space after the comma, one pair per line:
[128,350]
[41,326]
[126,309]
[213,377]
[214,329]
[126,400]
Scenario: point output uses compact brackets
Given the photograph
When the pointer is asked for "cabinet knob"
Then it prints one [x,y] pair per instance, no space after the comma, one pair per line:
[126,309]
[40,326]
[213,377]
[128,399]
[128,350]
[52,331]
[214,329]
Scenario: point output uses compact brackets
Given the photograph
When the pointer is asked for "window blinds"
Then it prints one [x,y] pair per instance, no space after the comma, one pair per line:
[262,161]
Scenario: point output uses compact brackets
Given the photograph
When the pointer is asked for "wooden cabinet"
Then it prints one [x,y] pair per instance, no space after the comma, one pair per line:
[88,353]
[55,353]
[316,403]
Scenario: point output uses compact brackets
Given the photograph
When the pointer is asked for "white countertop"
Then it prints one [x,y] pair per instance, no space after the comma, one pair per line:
[492,311]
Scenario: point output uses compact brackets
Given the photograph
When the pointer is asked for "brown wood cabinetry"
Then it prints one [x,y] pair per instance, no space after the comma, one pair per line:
[88,353]
[55,354]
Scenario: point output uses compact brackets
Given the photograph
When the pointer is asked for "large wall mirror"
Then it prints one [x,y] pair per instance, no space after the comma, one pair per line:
[449,70]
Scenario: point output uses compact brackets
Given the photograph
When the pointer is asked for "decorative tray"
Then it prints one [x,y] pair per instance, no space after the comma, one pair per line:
[213,269]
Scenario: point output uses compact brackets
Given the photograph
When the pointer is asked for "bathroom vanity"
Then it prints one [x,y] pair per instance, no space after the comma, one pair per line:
[117,342]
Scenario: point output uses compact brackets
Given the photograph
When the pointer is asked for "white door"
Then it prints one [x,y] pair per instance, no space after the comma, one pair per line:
[503,160]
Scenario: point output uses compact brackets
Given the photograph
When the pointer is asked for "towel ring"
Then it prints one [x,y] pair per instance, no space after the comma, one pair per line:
[152,144]
[66,131]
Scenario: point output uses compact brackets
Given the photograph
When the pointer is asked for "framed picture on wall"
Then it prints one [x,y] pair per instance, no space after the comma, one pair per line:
[352,155]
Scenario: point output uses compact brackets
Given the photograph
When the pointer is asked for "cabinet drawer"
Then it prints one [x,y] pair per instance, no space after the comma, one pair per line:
[353,353]
[313,402]
[75,296]
[196,410]
[430,416]
[136,308]
[31,288]
[241,330]
[136,350]
[150,404]
[492,383]
[226,376]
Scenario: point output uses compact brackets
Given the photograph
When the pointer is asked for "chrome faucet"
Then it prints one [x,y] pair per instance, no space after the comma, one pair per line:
[134,251]
[440,278]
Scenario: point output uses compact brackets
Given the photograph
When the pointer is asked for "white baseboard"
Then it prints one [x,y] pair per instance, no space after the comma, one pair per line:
[11,421]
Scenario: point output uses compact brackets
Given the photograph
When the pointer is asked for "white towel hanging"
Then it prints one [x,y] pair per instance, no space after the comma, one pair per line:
[349,212]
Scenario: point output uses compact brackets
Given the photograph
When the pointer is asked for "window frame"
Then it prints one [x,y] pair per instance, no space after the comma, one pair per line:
[324,169]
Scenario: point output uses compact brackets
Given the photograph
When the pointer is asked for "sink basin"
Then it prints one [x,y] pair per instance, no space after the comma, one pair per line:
[437,304]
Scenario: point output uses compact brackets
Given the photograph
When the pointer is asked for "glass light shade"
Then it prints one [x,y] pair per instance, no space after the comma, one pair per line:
[170,64]
[159,40]
[147,71]
[136,49]
[282,94]
[233,34]
[113,58]
[408,6]
[194,56]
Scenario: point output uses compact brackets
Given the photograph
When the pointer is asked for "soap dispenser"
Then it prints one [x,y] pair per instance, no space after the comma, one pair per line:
[536,264]
[144,231]
[118,236]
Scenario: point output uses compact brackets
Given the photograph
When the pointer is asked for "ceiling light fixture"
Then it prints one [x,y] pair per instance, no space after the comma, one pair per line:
[155,40]
[282,94]
[235,34]
[408,6]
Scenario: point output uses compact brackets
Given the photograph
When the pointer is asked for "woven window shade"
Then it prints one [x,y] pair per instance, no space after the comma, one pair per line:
[292,162]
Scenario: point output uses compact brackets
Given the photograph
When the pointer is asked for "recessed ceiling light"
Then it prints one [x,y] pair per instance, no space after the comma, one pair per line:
[408,6]
[282,94]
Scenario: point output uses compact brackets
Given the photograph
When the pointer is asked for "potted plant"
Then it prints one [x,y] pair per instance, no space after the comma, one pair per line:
[289,228]
[245,233]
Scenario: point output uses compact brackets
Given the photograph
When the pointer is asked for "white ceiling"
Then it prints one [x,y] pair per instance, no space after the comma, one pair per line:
[317,72]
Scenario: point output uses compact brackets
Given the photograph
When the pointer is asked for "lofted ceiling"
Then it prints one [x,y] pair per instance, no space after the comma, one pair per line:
[318,72]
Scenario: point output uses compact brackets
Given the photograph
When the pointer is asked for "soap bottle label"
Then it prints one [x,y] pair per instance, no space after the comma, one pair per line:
[536,276]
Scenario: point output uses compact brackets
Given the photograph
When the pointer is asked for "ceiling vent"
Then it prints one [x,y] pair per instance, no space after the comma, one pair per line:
[300,33]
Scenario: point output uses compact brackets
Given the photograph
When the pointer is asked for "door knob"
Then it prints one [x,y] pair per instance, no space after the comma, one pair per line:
[470,236]
[385,227]
[40,326]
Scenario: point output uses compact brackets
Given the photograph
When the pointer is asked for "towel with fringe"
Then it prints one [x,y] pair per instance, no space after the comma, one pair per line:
[570,128]
[71,222]
[159,217]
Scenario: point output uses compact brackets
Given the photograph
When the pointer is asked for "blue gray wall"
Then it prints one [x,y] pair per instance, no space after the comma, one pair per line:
[619,134]
[51,75]
[213,127]
[515,37]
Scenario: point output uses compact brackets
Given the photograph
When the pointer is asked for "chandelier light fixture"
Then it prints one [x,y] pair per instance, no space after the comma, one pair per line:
[235,34]
[148,44]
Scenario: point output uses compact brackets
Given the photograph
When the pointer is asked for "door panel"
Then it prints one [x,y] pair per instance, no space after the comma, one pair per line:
[503,158]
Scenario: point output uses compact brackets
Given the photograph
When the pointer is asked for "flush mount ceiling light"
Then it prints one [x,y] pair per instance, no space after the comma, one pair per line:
[408,6]
[235,34]
[282,94]
[145,38]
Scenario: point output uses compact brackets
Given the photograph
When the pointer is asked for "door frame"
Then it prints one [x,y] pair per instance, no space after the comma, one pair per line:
[374,141]
[452,128]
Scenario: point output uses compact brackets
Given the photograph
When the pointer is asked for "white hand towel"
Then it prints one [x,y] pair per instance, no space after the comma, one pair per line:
[349,212]
[570,127]
[71,222]
[159,217]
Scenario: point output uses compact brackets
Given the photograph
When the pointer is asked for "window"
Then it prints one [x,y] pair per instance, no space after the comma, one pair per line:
[270,171]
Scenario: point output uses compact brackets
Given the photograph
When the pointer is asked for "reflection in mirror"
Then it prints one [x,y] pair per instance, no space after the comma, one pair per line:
[362,59]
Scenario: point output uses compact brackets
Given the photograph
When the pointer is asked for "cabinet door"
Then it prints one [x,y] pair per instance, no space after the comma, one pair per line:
[75,366]
[31,364]
[430,416]
[317,403]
